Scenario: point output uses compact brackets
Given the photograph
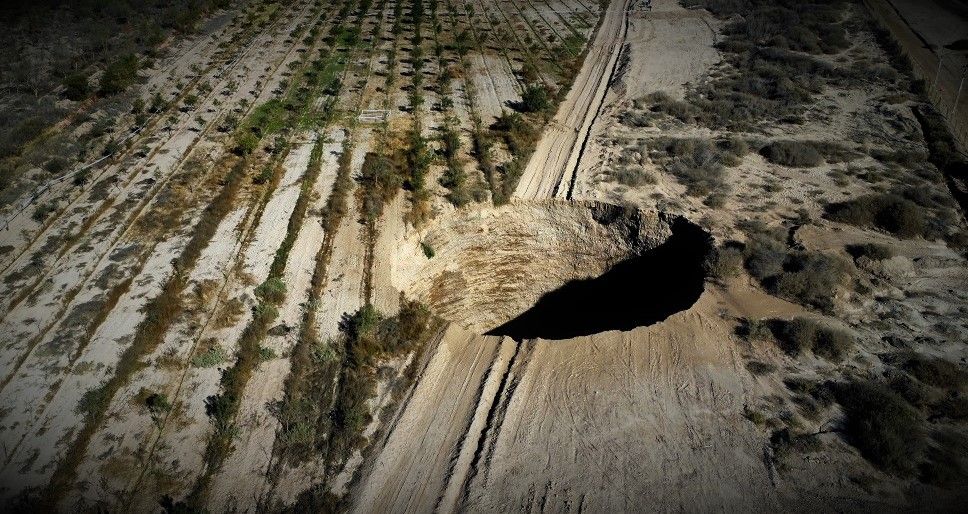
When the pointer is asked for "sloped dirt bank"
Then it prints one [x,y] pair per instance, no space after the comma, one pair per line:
[554,269]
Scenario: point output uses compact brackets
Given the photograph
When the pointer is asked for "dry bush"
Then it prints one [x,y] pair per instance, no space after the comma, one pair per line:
[801,335]
[518,133]
[872,251]
[725,262]
[888,212]
[760,368]
[795,154]
[630,176]
[661,102]
[887,431]
[230,313]
[940,373]
[754,329]
[809,278]
[696,163]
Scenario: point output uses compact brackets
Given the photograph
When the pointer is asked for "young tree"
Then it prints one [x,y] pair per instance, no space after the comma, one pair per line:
[535,99]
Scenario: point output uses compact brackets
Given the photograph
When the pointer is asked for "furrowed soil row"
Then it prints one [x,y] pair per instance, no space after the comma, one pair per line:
[142,133]
[154,187]
[280,64]
[68,297]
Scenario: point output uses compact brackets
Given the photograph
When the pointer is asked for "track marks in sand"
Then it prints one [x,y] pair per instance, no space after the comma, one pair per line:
[551,168]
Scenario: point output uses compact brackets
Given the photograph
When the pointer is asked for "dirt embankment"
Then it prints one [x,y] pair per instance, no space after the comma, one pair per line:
[490,265]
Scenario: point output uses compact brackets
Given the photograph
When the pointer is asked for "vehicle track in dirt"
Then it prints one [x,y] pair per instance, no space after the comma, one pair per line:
[551,169]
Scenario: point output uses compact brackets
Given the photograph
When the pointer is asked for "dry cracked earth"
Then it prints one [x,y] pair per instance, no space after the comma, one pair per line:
[482,255]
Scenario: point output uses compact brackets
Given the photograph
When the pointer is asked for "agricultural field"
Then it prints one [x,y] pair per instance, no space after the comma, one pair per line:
[478,255]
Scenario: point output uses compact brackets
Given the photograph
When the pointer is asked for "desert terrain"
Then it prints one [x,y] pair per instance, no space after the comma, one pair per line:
[484,255]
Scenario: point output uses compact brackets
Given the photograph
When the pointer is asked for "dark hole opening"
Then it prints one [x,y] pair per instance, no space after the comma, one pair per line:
[636,292]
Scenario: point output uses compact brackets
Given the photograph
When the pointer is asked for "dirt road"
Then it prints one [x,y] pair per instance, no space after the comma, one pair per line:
[549,172]
[906,21]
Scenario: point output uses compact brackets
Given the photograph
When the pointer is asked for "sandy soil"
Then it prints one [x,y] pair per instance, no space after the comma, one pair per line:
[100,353]
[548,173]
[651,419]
[923,29]
[242,480]
[342,294]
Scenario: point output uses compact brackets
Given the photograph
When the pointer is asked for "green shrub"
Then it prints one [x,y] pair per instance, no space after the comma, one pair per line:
[888,212]
[157,403]
[273,291]
[43,211]
[264,313]
[76,86]
[887,431]
[266,354]
[93,402]
[380,180]
[119,75]
[209,358]
[245,143]
[535,98]
[268,118]
[792,153]
[157,103]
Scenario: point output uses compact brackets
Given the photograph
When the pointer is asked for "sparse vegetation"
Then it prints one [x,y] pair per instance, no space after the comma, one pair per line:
[801,335]
[886,430]
[792,153]
[871,251]
[888,212]
[810,278]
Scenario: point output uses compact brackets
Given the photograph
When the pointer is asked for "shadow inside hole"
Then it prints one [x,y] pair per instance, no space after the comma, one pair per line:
[636,292]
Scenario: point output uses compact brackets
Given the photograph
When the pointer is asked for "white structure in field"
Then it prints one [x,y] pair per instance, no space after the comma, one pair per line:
[373,115]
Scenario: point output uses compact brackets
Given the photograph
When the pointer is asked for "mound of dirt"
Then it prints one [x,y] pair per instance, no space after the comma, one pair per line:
[554,269]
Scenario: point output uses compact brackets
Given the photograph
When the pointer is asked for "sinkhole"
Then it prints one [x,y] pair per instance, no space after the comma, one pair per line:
[554,269]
